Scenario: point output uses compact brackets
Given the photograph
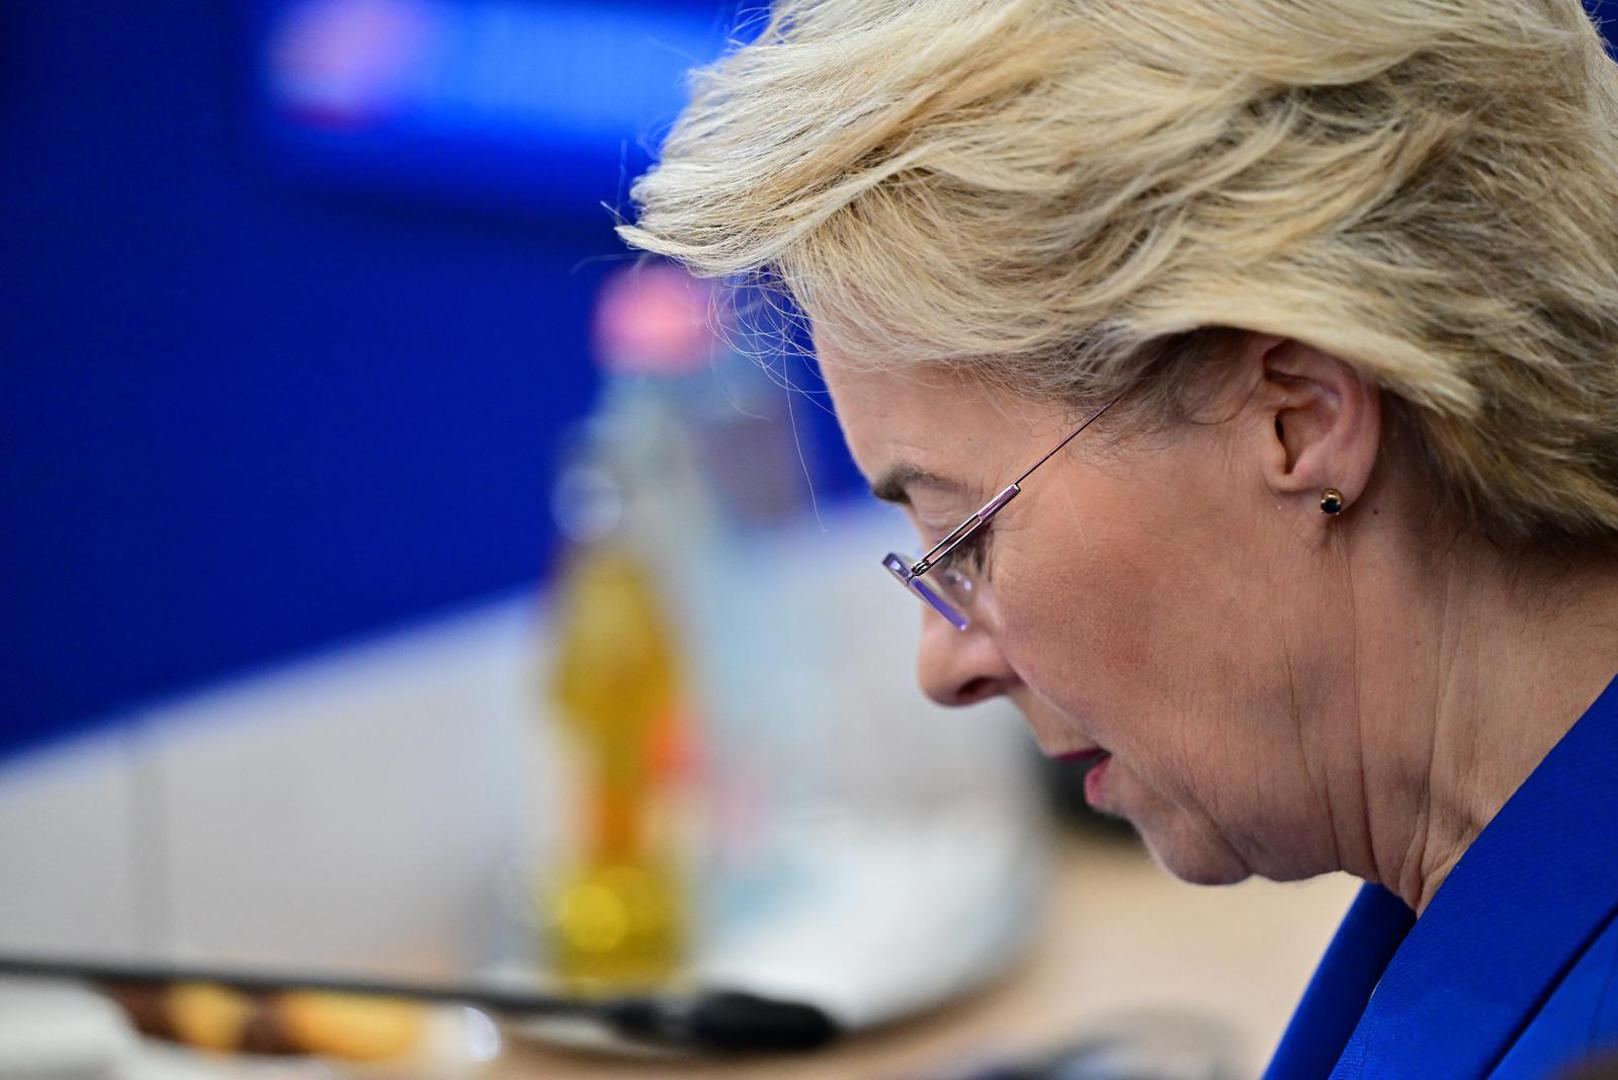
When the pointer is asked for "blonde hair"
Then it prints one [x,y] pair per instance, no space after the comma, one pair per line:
[1054,193]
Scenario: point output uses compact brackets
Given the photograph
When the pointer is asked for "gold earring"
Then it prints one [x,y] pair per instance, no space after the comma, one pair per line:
[1331,502]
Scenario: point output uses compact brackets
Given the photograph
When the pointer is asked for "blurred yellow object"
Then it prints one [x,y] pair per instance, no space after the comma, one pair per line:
[208,1016]
[618,918]
[616,673]
[619,925]
[351,1027]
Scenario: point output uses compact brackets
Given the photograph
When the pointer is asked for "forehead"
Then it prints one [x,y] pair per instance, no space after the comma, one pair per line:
[938,420]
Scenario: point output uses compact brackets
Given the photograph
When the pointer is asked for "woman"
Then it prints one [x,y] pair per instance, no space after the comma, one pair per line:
[1331,582]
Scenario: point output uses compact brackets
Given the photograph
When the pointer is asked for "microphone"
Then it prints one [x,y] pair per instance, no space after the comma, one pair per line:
[714,1021]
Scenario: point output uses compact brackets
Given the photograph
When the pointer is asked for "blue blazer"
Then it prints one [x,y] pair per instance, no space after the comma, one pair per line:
[1512,971]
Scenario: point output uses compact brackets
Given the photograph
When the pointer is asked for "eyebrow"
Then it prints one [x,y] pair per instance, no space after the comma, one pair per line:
[893,486]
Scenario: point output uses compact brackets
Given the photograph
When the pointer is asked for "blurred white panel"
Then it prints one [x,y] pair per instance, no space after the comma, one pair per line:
[862,787]
[355,809]
[381,807]
[68,860]
[887,746]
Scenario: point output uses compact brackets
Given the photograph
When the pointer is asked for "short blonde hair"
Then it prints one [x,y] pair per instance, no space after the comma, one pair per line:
[1048,191]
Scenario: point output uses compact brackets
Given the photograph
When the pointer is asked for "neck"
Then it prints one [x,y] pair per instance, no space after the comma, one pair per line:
[1496,657]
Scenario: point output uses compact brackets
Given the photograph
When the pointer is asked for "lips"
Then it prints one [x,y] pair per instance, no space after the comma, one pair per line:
[1094,778]
[1092,761]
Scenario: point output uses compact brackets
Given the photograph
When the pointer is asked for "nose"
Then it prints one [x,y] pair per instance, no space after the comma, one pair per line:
[960,667]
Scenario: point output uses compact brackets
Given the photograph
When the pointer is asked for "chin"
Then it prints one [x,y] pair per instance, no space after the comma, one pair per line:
[1196,860]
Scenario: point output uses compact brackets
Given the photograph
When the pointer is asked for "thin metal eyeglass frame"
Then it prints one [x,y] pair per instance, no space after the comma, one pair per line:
[910,574]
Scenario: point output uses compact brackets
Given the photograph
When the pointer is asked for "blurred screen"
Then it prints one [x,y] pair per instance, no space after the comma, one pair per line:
[537,106]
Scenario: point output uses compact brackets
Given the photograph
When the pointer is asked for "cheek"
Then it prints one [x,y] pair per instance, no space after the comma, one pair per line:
[1147,614]
[1142,623]
[1114,618]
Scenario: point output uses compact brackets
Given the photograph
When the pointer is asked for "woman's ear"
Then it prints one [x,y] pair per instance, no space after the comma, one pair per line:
[1321,421]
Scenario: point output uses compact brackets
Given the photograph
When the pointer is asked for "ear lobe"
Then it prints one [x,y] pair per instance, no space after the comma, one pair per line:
[1326,420]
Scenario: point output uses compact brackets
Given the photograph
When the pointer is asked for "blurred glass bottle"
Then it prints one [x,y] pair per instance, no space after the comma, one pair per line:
[631,504]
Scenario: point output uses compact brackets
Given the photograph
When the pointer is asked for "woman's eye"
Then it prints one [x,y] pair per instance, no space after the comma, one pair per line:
[970,553]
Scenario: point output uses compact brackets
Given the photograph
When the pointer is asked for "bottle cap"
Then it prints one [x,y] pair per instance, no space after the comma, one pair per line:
[654,319]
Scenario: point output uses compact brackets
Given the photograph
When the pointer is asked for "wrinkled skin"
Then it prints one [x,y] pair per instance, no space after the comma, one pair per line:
[1281,692]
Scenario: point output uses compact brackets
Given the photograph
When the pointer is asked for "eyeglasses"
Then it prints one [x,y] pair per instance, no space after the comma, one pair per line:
[952,590]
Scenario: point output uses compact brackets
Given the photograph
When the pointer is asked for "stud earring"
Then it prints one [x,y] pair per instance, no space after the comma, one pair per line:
[1331,502]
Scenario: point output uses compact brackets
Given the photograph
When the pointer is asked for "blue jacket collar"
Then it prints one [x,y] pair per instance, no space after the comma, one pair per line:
[1445,995]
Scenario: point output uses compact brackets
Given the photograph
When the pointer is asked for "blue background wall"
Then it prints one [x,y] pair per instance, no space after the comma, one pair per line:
[243,417]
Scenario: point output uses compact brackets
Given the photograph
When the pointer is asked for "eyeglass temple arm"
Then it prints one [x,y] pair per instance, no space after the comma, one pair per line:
[965,528]
[996,504]
[1074,434]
